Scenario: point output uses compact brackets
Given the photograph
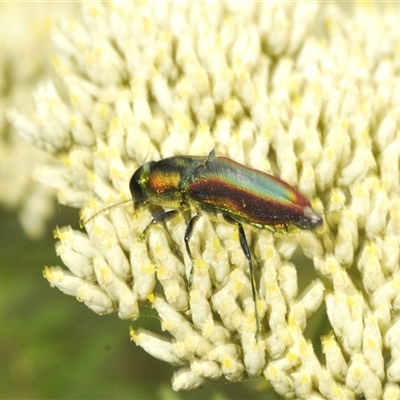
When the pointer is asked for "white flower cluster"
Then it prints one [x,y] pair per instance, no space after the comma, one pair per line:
[19,73]
[309,93]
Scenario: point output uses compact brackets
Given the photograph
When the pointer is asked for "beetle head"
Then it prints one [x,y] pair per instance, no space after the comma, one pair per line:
[138,184]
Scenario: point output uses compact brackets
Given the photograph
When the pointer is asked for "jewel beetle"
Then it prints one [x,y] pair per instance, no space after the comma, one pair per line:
[220,186]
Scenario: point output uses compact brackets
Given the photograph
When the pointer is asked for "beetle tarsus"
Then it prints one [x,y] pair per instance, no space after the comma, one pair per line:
[245,248]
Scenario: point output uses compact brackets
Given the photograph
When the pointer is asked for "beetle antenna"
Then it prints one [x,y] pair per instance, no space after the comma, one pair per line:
[84,222]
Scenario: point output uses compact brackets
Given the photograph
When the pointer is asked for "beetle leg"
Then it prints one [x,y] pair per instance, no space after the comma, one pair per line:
[245,247]
[188,234]
[162,217]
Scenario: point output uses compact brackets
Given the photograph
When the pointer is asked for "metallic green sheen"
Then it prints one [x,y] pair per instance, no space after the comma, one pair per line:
[161,182]
[221,185]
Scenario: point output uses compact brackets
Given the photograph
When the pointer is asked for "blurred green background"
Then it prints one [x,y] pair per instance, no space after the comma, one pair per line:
[53,347]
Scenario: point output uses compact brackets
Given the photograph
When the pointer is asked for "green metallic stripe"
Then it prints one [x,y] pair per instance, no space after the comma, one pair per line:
[213,195]
[252,181]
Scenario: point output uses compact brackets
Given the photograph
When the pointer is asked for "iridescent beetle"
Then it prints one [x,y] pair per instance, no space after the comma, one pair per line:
[219,185]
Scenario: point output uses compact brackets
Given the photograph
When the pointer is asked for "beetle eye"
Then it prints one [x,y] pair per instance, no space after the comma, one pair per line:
[138,183]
